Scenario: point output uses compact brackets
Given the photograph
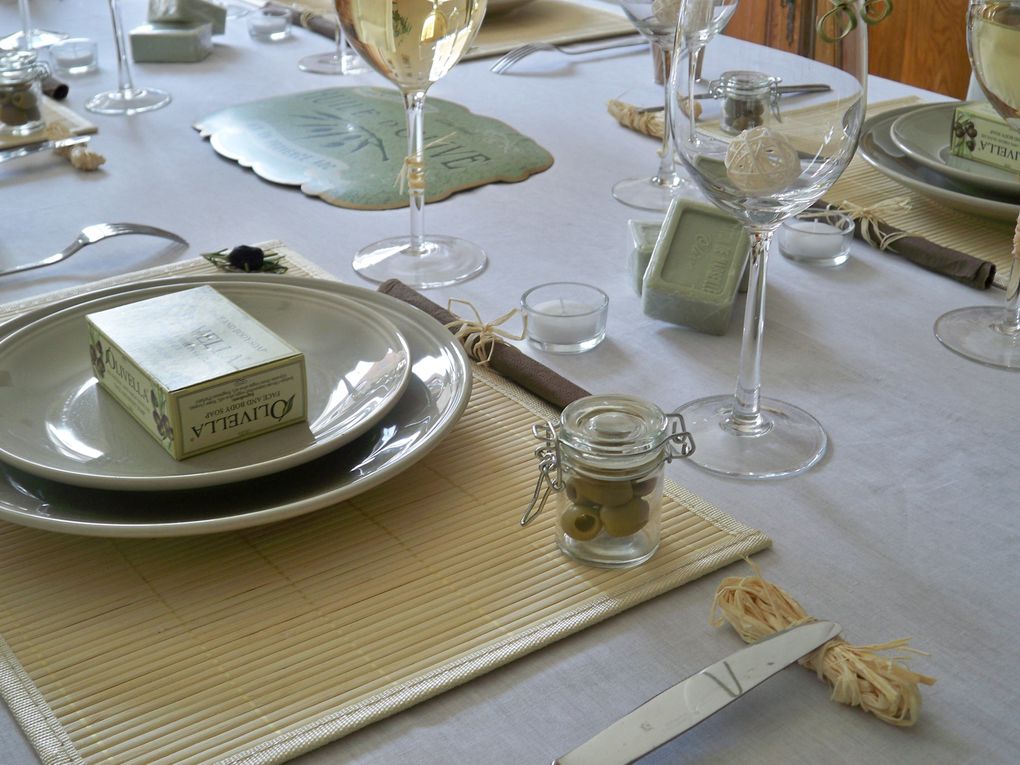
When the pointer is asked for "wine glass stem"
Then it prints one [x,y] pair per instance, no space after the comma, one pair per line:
[125,83]
[747,398]
[26,25]
[414,105]
[667,165]
[1011,318]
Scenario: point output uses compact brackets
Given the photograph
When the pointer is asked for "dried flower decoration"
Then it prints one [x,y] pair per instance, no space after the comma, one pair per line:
[247,259]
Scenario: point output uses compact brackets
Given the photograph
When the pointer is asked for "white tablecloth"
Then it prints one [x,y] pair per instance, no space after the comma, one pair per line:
[909,527]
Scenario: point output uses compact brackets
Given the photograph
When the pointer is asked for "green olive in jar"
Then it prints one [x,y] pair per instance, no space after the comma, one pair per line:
[626,519]
[24,99]
[646,486]
[11,115]
[581,522]
[597,492]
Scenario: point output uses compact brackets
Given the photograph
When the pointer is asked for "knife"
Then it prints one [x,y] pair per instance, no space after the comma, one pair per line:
[681,707]
[32,148]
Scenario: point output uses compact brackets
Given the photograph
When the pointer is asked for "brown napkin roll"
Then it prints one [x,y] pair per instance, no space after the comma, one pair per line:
[323,25]
[957,265]
[507,360]
[55,89]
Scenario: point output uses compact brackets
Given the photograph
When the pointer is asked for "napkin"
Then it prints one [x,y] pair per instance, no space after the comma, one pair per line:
[55,89]
[507,360]
[957,265]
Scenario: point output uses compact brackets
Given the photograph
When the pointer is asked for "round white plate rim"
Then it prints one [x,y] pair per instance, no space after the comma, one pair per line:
[905,139]
[443,341]
[988,208]
[39,318]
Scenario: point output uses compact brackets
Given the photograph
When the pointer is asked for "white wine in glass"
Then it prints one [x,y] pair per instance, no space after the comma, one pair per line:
[774,164]
[414,43]
[990,335]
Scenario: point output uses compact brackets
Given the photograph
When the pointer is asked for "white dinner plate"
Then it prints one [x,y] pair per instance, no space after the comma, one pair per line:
[59,424]
[432,403]
[878,148]
[924,134]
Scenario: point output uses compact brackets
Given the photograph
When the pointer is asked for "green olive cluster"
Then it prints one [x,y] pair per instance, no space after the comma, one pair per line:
[743,113]
[19,105]
[619,508]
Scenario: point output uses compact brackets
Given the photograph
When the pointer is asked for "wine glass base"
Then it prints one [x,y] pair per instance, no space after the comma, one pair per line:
[330,63]
[37,38]
[788,441]
[978,334]
[649,193]
[441,261]
[132,101]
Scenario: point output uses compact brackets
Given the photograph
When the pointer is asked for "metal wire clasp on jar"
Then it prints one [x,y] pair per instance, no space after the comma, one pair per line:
[604,461]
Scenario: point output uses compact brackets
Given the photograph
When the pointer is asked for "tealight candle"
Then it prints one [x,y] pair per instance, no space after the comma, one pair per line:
[820,238]
[269,24]
[565,317]
[74,56]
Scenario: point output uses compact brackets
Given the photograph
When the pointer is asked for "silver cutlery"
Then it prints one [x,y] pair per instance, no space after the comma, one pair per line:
[34,148]
[527,49]
[91,235]
[684,705]
[783,90]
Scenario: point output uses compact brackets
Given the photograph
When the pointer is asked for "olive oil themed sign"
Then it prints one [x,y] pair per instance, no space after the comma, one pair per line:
[348,145]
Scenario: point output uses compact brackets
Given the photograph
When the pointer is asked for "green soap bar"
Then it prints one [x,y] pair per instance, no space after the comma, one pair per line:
[643,234]
[188,11]
[171,42]
[696,267]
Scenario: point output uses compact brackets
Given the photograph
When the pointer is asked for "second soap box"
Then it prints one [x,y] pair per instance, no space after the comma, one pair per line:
[696,267]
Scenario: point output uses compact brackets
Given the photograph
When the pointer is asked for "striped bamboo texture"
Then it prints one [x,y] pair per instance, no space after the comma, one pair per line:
[255,646]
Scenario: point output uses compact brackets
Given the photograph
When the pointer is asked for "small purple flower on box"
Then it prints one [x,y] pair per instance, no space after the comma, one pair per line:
[247,259]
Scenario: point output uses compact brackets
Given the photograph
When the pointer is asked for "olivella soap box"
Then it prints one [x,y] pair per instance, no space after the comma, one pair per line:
[980,134]
[196,371]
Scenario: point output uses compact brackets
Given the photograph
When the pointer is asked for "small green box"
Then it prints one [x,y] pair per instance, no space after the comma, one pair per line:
[980,134]
[696,267]
[188,11]
[171,43]
[196,371]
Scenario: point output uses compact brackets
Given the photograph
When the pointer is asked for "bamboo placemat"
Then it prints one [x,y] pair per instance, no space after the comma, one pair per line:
[553,21]
[863,186]
[258,645]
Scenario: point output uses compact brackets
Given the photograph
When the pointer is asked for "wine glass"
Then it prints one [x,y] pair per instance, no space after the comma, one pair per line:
[764,166]
[339,61]
[656,20]
[126,99]
[413,44]
[29,38]
[990,335]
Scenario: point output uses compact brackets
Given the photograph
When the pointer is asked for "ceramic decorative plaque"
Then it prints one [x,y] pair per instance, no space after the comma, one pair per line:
[347,145]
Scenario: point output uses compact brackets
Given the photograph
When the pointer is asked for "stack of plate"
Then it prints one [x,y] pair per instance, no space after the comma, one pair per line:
[385,383]
[911,146]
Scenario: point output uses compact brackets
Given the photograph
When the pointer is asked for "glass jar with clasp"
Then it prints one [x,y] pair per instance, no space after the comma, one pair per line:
[747,97]
[604,461]
[21,77]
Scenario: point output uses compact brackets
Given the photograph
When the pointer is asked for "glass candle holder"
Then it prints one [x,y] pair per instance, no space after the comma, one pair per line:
[817,237]
[269,24]
[76,55]
[565,317]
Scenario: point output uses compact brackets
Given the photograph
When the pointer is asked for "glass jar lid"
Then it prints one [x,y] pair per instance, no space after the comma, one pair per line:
[21,66]
[745,84]
[613,425]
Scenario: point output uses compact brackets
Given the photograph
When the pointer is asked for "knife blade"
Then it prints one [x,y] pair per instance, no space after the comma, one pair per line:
[684,705]
[33,148]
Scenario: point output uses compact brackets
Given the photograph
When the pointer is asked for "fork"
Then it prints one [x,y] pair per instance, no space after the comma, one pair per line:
[91,235]
[527,49]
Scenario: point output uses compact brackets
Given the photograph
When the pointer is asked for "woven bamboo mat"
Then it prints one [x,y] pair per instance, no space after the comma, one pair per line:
[553,21]
[255,646]
[863,186]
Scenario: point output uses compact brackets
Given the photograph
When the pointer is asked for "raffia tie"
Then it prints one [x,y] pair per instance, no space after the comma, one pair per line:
[80,156]
[479,338]
[869,218]
[859,677]
[649,123]
[412,172]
